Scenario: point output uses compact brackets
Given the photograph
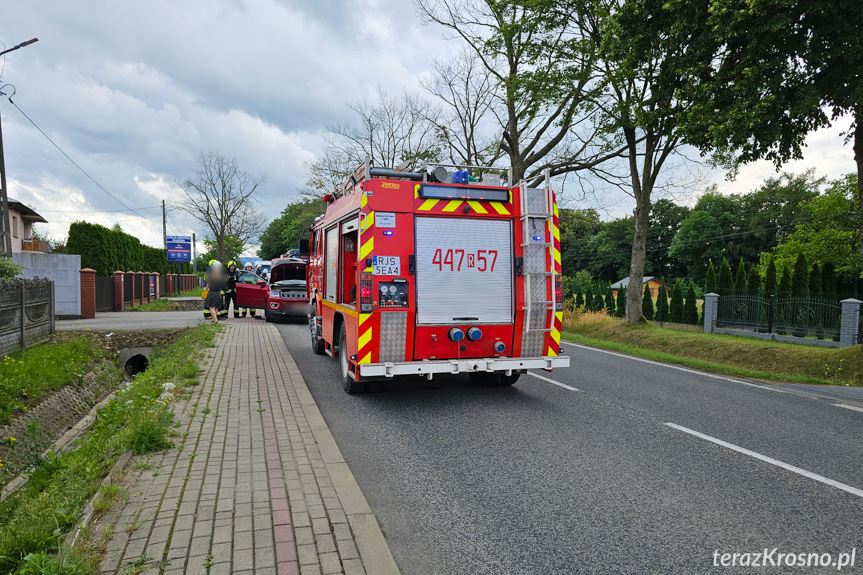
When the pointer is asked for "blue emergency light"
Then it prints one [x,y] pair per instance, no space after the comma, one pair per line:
[388,232]
[537,238]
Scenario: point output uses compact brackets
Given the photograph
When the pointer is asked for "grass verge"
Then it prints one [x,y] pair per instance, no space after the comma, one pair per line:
[27,375]
[35,519]
[196,292]
[731,355]
[157,305]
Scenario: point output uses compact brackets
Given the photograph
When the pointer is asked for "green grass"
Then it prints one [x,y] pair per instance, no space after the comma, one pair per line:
[731,355]
[192,292]
[34,520]
[158,305]
[26,376]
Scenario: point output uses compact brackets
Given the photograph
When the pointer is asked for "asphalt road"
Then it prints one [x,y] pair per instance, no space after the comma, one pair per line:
[539,479]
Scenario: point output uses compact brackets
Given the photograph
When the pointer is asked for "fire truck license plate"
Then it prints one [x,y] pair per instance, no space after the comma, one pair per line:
[386,266]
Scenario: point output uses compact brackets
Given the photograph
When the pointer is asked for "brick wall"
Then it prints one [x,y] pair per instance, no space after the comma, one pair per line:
[88,293]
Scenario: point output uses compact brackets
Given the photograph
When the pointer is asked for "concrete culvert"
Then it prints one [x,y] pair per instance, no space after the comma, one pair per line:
[134,360]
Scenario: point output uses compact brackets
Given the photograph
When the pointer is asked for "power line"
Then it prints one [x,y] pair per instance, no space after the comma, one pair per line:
[71,160]
[94,211]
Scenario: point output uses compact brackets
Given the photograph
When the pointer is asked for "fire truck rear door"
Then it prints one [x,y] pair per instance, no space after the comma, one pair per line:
[464,270]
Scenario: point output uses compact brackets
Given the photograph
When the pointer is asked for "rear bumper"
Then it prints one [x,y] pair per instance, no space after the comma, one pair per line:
[494,364]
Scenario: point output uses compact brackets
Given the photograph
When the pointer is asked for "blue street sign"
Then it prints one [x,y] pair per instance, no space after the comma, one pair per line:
[179,248]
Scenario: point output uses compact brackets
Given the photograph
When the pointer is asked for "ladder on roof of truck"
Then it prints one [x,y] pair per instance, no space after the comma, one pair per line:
[537,207]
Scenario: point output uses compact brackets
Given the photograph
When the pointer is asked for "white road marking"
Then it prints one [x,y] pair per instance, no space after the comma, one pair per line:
[563,385]
[770,460]
[677,367]
[846,406]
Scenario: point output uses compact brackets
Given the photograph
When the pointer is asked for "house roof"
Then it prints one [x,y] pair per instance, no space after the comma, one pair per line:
[624,283]
[26,213]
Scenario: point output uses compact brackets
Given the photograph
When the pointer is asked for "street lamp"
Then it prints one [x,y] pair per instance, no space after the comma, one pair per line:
[5,235]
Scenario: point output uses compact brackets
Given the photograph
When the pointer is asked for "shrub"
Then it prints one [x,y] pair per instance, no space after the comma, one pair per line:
[800,281]
[647,303]
[620,309]
[662,309]
[725,283]
[740,280]
[710,285]
[753,284]
[609,300]
[9,269]
[677,303]
[690,308]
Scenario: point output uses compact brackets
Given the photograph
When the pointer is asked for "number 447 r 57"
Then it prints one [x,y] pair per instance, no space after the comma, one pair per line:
[482,260]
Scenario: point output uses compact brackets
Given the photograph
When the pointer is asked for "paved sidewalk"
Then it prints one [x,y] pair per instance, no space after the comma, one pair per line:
[257,485]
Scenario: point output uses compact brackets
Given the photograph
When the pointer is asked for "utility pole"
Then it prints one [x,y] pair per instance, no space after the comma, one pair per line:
[5,234]
[194,255]
[164,228]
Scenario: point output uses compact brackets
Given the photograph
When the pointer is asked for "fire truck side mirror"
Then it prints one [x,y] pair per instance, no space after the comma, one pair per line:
[304,248]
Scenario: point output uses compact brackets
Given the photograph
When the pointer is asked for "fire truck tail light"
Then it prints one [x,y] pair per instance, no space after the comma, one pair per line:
[474,333]
[500,347]
[366,292]
[558,293]
[455,334]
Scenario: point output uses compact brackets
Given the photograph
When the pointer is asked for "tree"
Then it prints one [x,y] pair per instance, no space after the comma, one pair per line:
[469,94]
[608,251]
[690,307]
[285,231]
[784,289]
[677,302]
[662,309]
[664,223]
[588,299]
[232,247]
[753,284]
[609,300]
[777,66]
[647,303]
[541,69]
[740,279]
[800,281]
[828,281]
[579,299]
[725,284]
[707,231]
[815,281]
[642,68]
[390,130]
[221,196]
[620,310]
[828,232]
[577,227]
[710,283]
[770,283]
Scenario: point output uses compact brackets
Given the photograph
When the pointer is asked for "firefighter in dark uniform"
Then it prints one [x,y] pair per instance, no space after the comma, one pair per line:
[231,289]
[251,310]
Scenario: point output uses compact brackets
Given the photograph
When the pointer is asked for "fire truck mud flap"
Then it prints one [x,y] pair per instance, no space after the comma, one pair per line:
[455,366]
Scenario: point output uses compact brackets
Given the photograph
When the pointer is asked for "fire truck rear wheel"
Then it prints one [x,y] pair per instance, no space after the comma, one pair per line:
[348,383]
[317,342]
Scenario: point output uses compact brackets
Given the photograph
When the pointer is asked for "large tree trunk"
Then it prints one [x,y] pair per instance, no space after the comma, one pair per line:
[636,265]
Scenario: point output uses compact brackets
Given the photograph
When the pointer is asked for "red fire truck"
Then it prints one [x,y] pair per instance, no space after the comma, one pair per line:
[436,272]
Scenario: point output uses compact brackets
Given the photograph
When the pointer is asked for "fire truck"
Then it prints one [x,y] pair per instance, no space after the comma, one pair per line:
[446,270]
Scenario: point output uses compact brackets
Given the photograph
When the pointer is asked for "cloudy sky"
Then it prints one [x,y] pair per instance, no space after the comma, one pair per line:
[134,91]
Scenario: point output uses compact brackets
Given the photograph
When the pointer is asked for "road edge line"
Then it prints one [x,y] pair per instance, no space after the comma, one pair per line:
[770,460]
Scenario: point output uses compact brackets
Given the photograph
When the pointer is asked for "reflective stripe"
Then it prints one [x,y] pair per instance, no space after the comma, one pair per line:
[452,205]
[501,209]
[364,339]
[367,248]
[428,204]
[477,207]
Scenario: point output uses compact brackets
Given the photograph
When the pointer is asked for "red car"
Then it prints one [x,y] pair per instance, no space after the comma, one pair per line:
[287,295]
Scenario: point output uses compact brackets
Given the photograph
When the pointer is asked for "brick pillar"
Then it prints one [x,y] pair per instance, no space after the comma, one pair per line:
[711,311]
[850,323]
[88,293]
[169,279]
[119,284]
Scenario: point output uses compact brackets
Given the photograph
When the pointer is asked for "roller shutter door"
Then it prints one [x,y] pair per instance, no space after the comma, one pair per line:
[464,271]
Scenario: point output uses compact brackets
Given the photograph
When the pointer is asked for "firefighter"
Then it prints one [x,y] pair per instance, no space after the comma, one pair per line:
[215,275]
[231,289]
[251,310]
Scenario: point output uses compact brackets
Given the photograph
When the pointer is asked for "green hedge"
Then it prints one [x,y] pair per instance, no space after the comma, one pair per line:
[107,251]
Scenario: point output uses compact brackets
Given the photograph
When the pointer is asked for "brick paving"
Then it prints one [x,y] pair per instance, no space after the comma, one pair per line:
[256,483]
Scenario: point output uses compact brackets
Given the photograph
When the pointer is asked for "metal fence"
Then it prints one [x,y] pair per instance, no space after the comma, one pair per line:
[105,294]
[795,316]
[26,312]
